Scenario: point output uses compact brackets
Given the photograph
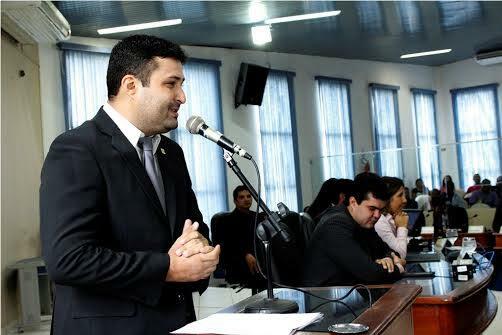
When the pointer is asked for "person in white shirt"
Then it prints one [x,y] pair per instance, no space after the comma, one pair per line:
[392,227]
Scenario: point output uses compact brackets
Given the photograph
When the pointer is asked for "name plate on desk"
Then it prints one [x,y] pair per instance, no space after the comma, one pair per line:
[476,229]
[427,230]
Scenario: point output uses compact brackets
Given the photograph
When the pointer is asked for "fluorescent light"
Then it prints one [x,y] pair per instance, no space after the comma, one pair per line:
[257,11]
[140,26]
[261,34]
[426,53]
[303,17]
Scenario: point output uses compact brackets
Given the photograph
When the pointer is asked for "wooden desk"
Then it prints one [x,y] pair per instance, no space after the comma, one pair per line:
[391,313]
[446,307]
[498,241]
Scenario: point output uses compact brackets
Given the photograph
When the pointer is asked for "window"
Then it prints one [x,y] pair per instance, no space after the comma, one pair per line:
[334,122]
[86,91]
[85,85]
[477,130]
[384,110]
[278,147]
[202,88]
[426,136]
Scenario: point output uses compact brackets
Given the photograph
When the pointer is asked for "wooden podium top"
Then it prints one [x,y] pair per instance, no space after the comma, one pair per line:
[446,307]
[390,314]
[442,289]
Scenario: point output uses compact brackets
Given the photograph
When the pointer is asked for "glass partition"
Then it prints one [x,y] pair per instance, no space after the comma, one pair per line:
[430,163]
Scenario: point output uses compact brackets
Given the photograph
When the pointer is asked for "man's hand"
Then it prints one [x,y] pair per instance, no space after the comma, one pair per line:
[387,263]
[190,269]
[191,242]
[252,264]
[401,220]
[191,256]
[397,260]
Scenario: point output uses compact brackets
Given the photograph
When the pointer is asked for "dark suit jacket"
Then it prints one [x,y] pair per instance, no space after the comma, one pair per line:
[105,236]
[341,253]
[234,231]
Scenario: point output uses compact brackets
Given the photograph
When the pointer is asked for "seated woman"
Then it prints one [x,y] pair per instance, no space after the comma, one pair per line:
[393,226]
[332,193]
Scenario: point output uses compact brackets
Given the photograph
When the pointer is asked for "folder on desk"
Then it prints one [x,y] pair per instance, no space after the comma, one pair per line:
[250,324]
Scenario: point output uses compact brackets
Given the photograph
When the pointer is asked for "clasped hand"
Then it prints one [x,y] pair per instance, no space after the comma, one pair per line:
[191,256]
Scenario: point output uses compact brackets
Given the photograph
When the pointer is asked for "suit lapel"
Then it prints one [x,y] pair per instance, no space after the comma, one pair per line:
[168,170]
[130,155]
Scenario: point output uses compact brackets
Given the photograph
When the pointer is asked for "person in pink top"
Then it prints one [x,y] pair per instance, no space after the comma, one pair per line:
[392,227]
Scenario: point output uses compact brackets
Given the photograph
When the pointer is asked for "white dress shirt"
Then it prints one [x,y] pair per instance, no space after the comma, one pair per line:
[132,133]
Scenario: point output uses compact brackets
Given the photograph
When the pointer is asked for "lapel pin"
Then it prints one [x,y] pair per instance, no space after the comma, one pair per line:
[163,151]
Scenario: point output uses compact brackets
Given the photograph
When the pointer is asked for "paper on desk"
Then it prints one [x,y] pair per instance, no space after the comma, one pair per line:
[249,324]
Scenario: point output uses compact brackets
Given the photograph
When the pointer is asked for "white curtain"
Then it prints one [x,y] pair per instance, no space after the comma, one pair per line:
[335,128]
[386,131]
[426,133]
[204,158]
[279,169]
[476,122]
[85,85]
[85,91]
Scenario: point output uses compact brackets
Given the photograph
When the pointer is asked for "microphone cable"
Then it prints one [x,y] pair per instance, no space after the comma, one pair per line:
[258,176]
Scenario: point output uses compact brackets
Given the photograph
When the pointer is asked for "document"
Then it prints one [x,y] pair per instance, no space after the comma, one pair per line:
[250,324]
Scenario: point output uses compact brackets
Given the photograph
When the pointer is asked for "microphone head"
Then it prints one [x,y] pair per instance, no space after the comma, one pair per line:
[194,123]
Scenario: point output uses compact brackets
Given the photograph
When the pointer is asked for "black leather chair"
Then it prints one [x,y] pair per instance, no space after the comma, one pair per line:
[287,257]
[217,222]
[457,218]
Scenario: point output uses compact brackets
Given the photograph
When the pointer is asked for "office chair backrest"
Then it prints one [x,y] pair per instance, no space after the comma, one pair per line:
[287,258]
[457,218]
[217,229]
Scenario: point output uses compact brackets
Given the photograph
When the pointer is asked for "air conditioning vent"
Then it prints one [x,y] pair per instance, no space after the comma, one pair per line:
[41,21]
[489,58]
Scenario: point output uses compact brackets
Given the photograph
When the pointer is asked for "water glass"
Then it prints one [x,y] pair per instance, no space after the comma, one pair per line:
[451,235]
[468,246]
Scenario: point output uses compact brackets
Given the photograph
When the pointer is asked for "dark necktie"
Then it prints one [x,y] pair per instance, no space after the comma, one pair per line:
[146,144]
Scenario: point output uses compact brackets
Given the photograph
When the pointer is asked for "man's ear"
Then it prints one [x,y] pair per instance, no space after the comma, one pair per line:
[129,85]
[352,201]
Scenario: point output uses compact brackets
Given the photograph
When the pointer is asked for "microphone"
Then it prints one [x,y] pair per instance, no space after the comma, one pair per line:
[197,125]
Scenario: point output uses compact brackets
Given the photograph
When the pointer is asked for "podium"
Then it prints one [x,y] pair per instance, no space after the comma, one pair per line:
[34,292]
[391,313]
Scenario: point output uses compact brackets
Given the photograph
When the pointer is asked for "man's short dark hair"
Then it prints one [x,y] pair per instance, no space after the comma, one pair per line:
[239,189]
[366,184]
[135,55]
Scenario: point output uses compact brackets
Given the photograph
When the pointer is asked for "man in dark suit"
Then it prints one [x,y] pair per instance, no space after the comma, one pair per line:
[344,249]
[117,206]
[235,233]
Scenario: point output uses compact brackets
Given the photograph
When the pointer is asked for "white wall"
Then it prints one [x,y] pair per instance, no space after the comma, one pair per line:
[22,156]
[461,74]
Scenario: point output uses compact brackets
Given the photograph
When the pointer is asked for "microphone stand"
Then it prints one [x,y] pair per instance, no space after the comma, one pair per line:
[265,231]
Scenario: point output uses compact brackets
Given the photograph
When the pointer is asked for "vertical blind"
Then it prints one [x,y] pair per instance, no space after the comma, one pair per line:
[426,136]
[334,123]
[384,111]
[477,130]
[85,92]
[278,148]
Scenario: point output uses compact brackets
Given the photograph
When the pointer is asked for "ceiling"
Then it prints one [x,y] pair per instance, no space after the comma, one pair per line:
[369,30]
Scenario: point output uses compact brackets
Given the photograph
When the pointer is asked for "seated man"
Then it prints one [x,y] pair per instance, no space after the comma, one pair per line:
[343,247]
[235,232]
[485,195]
